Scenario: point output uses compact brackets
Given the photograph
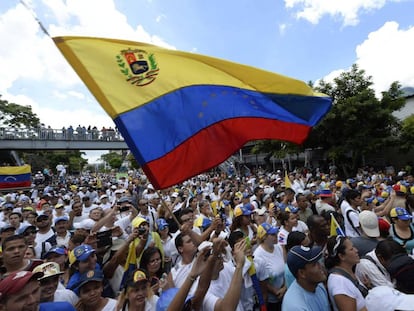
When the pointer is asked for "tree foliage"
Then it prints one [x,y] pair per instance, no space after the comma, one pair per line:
[41,159]
[113,159]
[407,134]
[358,123]
[16,115]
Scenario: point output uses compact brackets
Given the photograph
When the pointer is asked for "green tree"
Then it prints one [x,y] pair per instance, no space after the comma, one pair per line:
[114,159]
[41,159]
[16,115]
[134,163]
[275,148]
[358,123]
[407,134]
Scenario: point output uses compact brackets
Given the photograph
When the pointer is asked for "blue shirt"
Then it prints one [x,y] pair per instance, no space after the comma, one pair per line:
[299,299]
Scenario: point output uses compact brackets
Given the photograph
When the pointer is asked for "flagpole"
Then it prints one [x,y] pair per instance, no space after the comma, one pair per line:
[168,209]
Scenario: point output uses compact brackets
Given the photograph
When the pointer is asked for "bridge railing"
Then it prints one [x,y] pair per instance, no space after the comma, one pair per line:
[78,134]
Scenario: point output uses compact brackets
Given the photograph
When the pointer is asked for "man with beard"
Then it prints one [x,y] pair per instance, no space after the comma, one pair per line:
[45,235]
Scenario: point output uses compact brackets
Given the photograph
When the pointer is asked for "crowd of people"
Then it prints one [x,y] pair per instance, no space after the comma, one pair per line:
[267,241]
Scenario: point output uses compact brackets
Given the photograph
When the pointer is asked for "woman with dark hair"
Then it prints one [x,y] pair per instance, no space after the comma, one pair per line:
[90,290]
[137,294]
[151,261]
[402,228]
[345,291]
[287,221]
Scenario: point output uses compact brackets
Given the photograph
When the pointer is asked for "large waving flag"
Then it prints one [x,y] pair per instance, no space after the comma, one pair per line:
[182,113]
[15,177]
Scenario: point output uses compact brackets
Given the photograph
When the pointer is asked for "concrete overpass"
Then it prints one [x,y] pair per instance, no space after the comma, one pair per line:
[61,139]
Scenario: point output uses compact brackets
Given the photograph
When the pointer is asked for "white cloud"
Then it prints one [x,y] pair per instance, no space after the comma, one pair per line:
[387,55]
[28,56]
[282,29]
[77,95]
[332,75]
[346,10]
[160,17]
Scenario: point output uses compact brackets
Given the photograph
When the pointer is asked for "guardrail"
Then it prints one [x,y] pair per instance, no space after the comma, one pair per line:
[69,134]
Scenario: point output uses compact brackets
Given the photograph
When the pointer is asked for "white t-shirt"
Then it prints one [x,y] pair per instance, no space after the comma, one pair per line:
[219,288]
[302,227]
[110,305]
[180,272]
[41,237]
[340,285]
[282,236]
[353,216]
[271,267]
[150,304]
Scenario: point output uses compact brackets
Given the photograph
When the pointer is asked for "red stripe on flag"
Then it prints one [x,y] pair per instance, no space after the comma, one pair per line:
[201,153]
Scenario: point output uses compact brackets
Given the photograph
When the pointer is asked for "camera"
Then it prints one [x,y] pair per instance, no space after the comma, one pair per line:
[142,230]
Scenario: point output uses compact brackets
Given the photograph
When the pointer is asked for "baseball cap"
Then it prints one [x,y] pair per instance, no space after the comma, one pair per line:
[104,196]
[266,228]
[400,213]
[242,210]
[388,299]
[89,276]
[7,227]
[325,193]
[162,224]
[298,256]
[42,216]
[399,188]
[80,253]
[261,211]
[291,209]
[48,269]
[62,218]
[23,229]
[137,221]
[86,224]
[384,226]
[60,250]
[16,281]
[369,223]
[137,277]
[124,199]
[59,205]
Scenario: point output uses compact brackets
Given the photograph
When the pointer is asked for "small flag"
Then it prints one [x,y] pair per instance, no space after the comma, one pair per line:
[288,184]
[335,228]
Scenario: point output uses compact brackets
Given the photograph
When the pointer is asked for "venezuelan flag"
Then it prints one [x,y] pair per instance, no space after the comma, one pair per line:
[182,113]
[335,227]
[288,184]
[15,177]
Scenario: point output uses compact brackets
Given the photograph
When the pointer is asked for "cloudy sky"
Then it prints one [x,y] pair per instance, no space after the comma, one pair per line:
[304,39]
